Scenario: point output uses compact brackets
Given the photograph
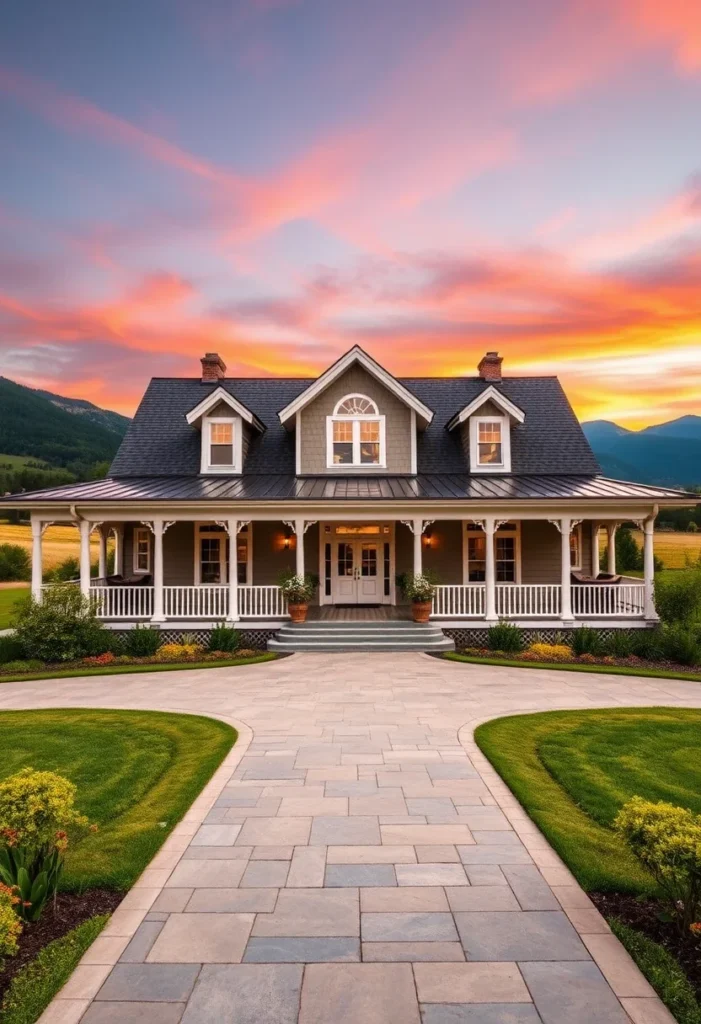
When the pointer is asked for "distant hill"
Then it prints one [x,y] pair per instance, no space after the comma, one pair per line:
[64,432]
[667,454]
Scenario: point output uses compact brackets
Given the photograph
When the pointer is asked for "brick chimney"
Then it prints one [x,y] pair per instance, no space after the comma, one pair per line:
[213,367]
[489,367]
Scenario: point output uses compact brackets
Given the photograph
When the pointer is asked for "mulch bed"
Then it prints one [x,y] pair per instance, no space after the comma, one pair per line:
[643,915]
[632,661]
[68,911]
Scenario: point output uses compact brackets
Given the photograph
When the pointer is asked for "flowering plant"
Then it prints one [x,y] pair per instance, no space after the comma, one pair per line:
[421,586]
[297,589]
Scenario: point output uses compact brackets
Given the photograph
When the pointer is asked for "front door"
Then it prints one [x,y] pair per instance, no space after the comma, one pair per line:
[357,565]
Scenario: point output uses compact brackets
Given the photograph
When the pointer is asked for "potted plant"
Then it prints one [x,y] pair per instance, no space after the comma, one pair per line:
[298,590]
[419,588]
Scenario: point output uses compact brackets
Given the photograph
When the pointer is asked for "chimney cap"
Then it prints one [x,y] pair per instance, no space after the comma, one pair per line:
[213,367]
[489,367]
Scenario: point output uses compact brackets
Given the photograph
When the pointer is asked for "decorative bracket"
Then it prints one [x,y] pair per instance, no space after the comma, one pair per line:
[500,522]
[481,524]
[427,522]
[408,522]
[290,523]
[308,523]
[167,524]
[96,526]
[148,525]
[45,526]
[557,523]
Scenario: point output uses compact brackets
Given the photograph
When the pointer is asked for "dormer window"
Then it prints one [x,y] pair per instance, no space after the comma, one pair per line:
[490,444]
[221,444]
[355,434]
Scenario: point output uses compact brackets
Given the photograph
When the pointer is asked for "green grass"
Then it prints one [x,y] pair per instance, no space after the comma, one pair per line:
[35,985]
[663,972]
[8,599]
[114,670]
[572,770]
[22,462]
[136,772]
[615,670]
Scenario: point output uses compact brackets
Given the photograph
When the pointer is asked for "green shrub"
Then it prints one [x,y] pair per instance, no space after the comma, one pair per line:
[419,587]
[37,820]
[142,642]
[15,563]
[680,643]
[23,665]
[223,638]
[62,628]
[678,596]
[10,649]
[68,569]
[619,644]
[647,644]
[667,839]
[505,637]
[10,925]
[585,640]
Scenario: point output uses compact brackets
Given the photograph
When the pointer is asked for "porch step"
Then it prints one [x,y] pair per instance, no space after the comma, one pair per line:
[360,636]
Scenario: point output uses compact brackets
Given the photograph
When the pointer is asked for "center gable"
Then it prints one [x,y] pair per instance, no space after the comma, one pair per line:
[388,418]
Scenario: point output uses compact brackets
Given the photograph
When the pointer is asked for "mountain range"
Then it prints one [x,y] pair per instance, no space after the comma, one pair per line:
[69,433]
[668,454]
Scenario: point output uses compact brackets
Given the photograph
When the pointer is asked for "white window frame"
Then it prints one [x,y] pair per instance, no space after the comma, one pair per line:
[222,536]
[493,467]
[142,531]
[206,466]
[576,532]
[511,529]
[356,419]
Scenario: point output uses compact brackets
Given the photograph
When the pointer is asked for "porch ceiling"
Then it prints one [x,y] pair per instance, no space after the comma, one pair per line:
[424,487]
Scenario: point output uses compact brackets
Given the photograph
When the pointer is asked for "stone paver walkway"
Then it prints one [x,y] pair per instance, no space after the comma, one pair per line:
[361,863]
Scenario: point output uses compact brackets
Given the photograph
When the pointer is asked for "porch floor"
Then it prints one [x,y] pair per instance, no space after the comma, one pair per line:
[359,613]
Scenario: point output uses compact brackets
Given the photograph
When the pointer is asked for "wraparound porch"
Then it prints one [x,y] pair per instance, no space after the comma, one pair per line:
[527,570]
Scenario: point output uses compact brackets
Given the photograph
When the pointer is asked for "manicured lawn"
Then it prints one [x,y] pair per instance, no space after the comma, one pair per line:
[8,599]
[137,772]
[113,670]
[572,770]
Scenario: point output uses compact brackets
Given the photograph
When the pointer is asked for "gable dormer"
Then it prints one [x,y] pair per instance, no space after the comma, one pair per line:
[486,422]
[356,418]
[225,424]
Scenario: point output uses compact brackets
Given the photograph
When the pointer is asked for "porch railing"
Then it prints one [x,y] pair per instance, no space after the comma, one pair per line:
[186,602]
[527,600]
[122,602]
[603,600]
[208,602]
[262,603]
[460,602]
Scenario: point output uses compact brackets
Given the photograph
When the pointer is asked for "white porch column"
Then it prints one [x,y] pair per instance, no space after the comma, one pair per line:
[299,546]
[119,550]
[490,594]
[611,547]
[649,569]
[232,528]
[37,530]
[102,558]
[157,528]
[84,527]
[594,549]
[417,529]
[566,579]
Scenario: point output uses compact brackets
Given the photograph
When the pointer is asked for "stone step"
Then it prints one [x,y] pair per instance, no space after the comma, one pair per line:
[341,645]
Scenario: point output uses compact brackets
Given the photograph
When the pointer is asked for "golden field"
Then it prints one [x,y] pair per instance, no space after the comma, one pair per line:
[59,542]
[674,548]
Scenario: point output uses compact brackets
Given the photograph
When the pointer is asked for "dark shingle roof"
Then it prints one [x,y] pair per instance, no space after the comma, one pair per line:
[460,487]
[159,441]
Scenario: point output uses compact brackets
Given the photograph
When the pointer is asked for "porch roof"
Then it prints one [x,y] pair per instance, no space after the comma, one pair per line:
[271,487]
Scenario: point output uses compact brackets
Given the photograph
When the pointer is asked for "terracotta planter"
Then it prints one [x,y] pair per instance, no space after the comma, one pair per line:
[298,612]
[421,610]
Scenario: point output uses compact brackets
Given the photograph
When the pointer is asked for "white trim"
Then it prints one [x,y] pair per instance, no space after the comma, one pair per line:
[471,529]
[349,415]
[490,394]
[298,444]
[223,535]
[576,531]
[412,427]
[355,355]
[206,467]
[492,467]
[135,550]
[213,399]
[356,420]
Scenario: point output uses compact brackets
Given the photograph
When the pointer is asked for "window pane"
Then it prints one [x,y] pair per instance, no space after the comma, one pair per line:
[210,560]
[370,454]
[369,560]
[342,431]
[221,455]
[490,454]
[242,560]
[506,559]
[489,446]
[356,404]
[575,557]
[342,454]
[476,552]
[143,551]
[345,559]
[222,433]
[369,430]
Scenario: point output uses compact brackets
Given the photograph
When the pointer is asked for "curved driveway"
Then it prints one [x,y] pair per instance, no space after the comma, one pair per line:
[356,859]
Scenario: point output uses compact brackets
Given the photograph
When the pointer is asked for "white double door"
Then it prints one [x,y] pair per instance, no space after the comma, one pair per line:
[357,572]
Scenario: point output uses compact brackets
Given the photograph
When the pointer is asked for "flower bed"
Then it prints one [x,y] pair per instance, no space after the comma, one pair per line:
[164,656]
[540,655]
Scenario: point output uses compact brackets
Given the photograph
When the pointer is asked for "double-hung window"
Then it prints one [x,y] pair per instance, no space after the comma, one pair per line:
[221,444]
[490,444]
[142,549]
[506,554]
[355,434]
[576,547]
[212,553]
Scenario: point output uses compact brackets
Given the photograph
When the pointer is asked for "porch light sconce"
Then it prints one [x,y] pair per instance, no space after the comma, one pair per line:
[287,540]
[428,539]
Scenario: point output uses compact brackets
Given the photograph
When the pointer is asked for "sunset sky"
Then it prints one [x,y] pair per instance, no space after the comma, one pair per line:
[277,180]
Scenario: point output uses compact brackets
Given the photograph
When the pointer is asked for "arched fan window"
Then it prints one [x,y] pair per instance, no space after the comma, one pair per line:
[355,433]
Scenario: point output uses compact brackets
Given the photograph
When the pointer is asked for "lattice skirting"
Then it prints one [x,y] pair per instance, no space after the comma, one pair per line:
[253,639]
[477,637]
